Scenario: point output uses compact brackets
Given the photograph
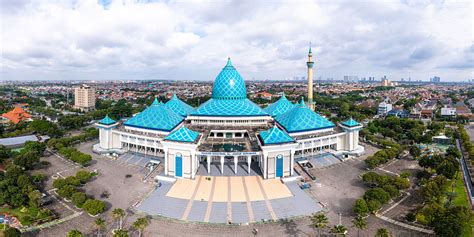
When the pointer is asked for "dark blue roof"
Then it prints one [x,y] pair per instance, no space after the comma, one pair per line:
[156,117]
[178,106]
[275,136]
[301,118]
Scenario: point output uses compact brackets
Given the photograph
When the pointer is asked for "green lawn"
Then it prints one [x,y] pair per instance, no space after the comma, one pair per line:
[461,199]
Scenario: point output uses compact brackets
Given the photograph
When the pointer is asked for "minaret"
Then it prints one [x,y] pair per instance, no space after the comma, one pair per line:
[310,64]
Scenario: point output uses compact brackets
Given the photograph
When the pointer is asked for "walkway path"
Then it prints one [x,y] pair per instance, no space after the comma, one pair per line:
[267,202]
[404,224]
[191,200]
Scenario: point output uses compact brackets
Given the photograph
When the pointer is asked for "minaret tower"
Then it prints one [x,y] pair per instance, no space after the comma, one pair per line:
[310,64]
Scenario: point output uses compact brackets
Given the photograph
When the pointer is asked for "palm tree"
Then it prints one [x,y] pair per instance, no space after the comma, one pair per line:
[117,215]
[339,229]
[360,223]
[319,221]
[120,233]
[100,224]
[140,224]
[382,232]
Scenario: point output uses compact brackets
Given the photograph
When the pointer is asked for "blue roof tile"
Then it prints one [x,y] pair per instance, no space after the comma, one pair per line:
[350,123]
[155,117]
[301,118]
[275,136]
[178,106]
[281,106]
[229,84]
[183,135]
[107,120]
[229,108]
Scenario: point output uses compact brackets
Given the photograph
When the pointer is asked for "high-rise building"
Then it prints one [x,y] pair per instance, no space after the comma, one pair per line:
[310,64]
[435,79]
[84,98]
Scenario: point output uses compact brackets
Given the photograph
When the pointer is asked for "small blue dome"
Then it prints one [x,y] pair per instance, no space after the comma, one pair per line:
[229,85]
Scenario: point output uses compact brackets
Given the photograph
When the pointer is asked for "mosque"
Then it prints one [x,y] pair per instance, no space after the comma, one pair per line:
[229,129]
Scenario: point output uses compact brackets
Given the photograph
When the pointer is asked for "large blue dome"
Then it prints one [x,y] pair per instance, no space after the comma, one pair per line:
[229,85]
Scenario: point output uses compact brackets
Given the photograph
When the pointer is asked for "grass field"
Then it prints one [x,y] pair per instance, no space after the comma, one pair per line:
[461,199]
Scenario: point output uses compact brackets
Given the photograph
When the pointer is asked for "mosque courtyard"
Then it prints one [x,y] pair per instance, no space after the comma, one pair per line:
[229,199]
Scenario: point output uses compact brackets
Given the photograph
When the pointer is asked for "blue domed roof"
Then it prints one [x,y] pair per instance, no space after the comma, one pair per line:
[229,84]
[281,106]
[301,119]
[178,106]
[155,117]
[274,136]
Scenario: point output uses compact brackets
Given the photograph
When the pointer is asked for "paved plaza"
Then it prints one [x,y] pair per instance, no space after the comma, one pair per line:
[223,199]
[324,160]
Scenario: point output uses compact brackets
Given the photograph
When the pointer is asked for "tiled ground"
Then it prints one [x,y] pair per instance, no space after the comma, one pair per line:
[323,160]
[137,159]
[237,212]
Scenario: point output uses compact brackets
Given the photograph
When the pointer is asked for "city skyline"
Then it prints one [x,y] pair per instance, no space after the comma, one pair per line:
[134,40]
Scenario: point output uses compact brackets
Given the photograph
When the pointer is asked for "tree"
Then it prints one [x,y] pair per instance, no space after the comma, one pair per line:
[452,221]
[140,224]
[382,232]
[83,176]
[117,215]
[11,232]
[79,198]
[360,207]
[74,233]
[94,207]
[99,224]
[415,151]
[360,223]
[339,230]
[120,233]
[374,205]
[319,221]
[377,194]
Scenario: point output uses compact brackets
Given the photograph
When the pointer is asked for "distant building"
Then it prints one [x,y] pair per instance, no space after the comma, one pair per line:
[435,79]
[15,116]
[84,98]
[384,108]
[448,112]
[398,113]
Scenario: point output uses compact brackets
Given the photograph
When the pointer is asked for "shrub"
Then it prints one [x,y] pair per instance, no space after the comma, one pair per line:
[74,233]
[93,206]
[67,191]
[83,176]
[79,198]
[391,190]
[373,205]
[360,207]
[410,217]
[377,194]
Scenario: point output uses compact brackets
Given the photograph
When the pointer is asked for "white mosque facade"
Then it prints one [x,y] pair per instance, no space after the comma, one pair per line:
[229,129]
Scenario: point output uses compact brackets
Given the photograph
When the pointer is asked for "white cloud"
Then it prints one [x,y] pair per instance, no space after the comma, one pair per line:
[81,39]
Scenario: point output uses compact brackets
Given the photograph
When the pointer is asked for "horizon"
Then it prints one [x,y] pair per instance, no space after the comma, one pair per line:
[137,40]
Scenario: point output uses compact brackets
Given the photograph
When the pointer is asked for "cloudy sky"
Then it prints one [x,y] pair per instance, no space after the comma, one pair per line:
[191,40]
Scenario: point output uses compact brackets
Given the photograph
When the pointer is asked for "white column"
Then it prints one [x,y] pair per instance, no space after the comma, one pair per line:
[249,162]
[208,158]
[192,166]
[265,173]
[235,164]
[292,161]
[222,164]
[166,162]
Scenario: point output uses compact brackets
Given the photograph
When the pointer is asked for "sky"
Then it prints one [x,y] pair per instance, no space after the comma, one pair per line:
[266,40]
